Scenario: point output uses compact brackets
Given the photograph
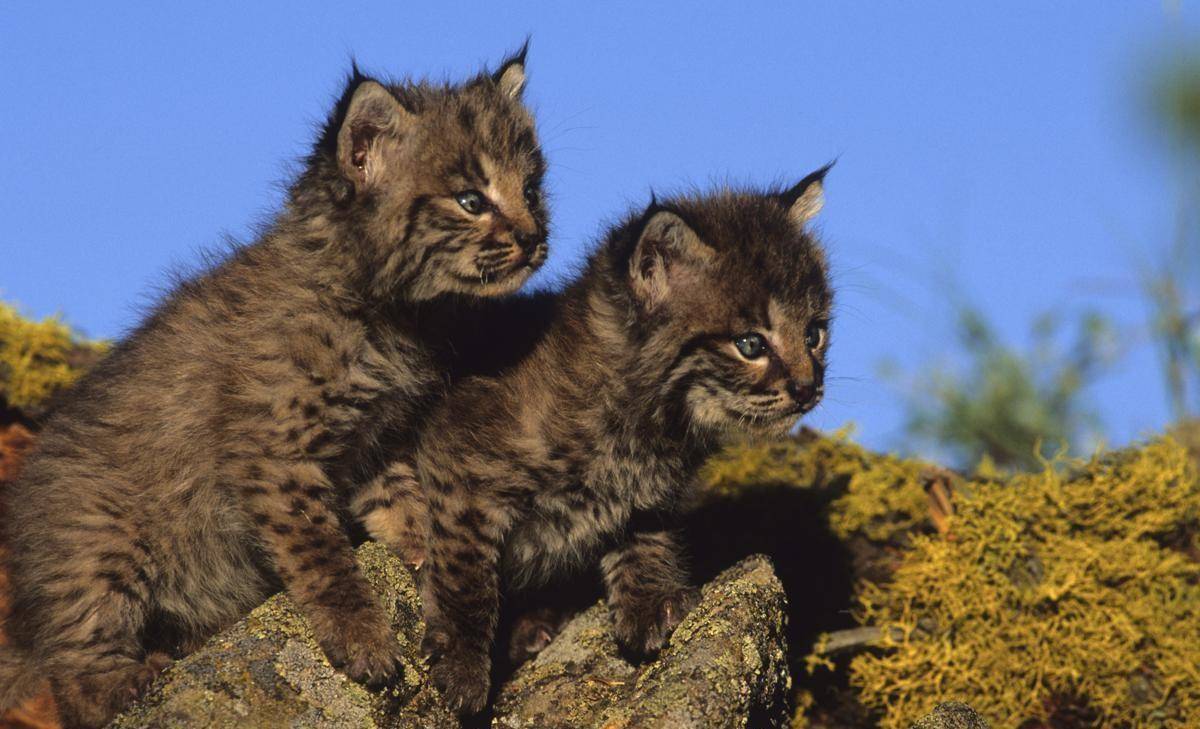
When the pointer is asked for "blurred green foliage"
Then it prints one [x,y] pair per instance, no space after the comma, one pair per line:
[1015,408]
[1012,407]
[1172,284]
[1172,292]
[1175,99]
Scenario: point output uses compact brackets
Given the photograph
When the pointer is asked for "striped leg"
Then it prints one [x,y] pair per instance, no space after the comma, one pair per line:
[393,509]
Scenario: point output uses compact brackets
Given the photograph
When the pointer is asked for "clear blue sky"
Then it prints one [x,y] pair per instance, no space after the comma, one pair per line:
[1002,146]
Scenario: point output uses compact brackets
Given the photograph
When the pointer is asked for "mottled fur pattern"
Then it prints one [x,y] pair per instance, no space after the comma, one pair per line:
[212,457]
[702,316]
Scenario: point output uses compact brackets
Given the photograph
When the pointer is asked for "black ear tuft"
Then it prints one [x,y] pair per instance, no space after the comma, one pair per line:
[510,76]
[792,194]
[517,58]
[804,199]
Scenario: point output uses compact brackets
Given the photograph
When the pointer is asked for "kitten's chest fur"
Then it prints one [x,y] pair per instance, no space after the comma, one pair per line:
[395,374]
[584,496]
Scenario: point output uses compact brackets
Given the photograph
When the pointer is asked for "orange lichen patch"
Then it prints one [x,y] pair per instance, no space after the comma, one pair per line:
[39,712]
[878,497]
[15,440]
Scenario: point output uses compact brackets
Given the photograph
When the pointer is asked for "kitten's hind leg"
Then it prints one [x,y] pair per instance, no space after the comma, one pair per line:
[532,631]
[92,687]
[393,509]
[92,620]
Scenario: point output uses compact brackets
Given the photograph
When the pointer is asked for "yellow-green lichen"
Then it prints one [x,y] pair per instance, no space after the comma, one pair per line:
[39,358]
[880,497]
[1050,593]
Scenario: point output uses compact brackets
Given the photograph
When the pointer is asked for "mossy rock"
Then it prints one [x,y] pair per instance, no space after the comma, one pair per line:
[875,496]
[951,715]
[267,671]
[725,666]
[1067,597]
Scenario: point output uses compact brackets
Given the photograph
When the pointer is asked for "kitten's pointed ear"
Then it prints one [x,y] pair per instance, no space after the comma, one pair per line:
[510,77]
[370,113]
[806,198]
[668,251]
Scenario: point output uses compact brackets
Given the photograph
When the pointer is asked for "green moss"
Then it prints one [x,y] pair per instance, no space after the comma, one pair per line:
[1050,592]
[38,359]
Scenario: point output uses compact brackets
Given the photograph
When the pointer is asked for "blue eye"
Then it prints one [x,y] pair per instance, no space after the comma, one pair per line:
[751,346]
[471,201]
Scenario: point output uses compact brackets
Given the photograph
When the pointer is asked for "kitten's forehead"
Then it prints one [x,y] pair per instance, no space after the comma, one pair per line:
[781,313]
[498,124]
[474,139]
[767,264]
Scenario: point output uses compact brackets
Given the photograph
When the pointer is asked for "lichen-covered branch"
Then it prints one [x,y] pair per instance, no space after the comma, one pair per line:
[267,671]
[724,667]
[951,715]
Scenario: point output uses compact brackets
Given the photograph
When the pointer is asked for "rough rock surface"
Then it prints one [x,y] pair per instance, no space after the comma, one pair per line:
[267,671]
[724,667]
[952,715]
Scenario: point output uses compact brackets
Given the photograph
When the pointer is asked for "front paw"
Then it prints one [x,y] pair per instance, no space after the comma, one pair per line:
[643,626]
[363,646]
[463,678]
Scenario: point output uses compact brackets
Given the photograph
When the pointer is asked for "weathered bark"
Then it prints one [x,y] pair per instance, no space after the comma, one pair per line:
[725,666]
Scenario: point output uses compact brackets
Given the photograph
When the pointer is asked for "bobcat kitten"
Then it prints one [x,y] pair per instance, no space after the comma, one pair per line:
[701,316]
[207,461]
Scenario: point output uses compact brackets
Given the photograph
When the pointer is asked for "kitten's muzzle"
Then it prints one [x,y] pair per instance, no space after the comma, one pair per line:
[805,394]
[528,242]
[532,253]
